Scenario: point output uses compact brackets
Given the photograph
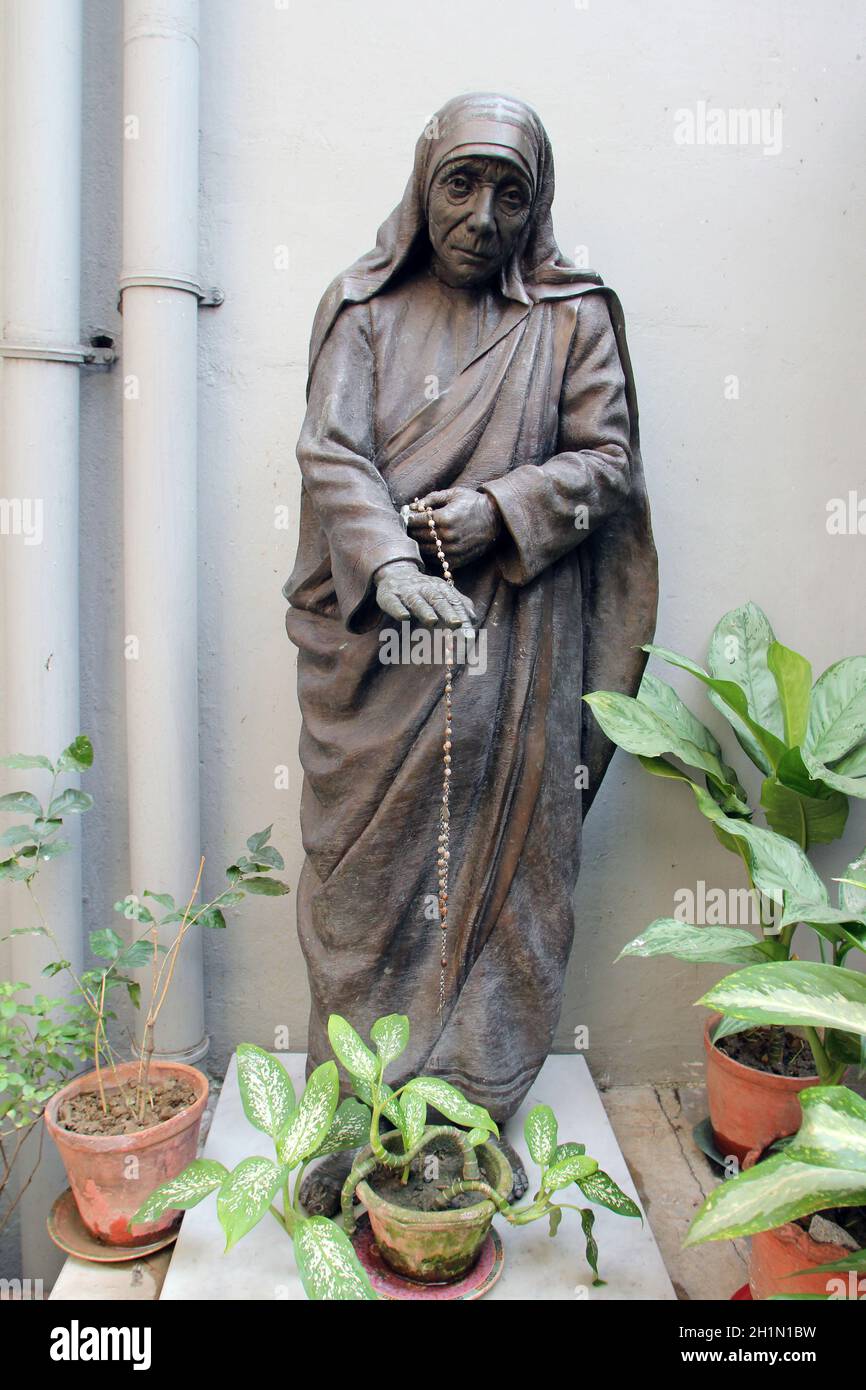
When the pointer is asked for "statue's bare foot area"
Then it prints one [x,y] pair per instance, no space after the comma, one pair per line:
[321,1188]
[521,1181]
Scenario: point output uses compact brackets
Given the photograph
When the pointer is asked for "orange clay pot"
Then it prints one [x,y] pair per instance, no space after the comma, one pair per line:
[111,1175]
[778,1254]
[749,1109]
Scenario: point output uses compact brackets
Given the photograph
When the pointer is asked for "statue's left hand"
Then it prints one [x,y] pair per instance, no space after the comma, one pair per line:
[467,522]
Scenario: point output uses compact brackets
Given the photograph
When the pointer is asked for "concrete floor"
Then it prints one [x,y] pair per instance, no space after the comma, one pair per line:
[654,1127]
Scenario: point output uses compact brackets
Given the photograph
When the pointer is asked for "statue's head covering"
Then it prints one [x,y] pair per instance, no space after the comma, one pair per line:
[480,123]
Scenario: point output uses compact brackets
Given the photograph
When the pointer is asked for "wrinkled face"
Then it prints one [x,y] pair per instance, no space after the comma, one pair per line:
[476,210]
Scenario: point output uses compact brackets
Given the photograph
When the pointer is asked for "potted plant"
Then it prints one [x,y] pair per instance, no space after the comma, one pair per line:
[809,742]
[126,1125]
[805,1205]
[438,1243]
[42,1038]
[429,1231]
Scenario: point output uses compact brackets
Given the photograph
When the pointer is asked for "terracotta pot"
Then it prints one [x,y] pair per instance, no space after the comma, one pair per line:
[435,1247]
[749,1109]
[111,1175]
[778,1254]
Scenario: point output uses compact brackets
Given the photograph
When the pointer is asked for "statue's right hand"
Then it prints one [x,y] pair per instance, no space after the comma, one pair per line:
[405,591]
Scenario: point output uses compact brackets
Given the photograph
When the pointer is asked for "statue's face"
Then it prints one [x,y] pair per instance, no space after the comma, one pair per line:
[476,210]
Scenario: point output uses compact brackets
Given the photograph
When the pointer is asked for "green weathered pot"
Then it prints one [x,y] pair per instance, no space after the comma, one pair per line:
[435,1247]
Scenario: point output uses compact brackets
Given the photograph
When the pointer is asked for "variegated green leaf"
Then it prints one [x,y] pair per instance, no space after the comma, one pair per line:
[833,1130]
[246,1194]
[796,992]
[568,1150]
[600,1188]
[738,652]
[267,1094]
[837,718]
[771,1193]
[312,1119]
[329,1268]
[477,1136]
[413,1112]
[568,1170]
[587,1221]
[667,936]
[349,1049]
[540,1133]
[451,1103]
[350,1128]
[852,887]
[391,1036]
[189,1188]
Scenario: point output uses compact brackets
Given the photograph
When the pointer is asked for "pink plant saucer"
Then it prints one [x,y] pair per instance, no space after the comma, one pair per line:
[390,1285]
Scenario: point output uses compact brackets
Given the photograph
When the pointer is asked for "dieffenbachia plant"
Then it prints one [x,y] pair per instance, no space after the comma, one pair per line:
[301,1131]
[810,744]
[809,741]
[562,1165]
[823,1166]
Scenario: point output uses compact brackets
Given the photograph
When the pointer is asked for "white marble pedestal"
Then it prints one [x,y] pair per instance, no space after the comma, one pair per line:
[536,1267]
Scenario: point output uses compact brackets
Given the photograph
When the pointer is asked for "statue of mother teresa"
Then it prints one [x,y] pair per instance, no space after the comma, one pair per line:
[466,363]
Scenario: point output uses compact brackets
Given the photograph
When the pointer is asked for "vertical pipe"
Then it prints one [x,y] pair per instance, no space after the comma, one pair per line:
[160,241]
[39,439]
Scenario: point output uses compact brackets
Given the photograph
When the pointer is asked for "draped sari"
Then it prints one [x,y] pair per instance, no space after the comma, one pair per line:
[534,403]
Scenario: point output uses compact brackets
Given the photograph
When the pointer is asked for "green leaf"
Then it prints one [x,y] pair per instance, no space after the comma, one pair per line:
[837,718]
[797,993]
[667,936]
[852,887]
[738,652]
[70,802]
[77,756]
[770,1194]
[246,1194]
[587,1221]
[451,1103]
[329,1268]
[391,1036]
[105,943]
[832,1133]
[777,864]
[350,1128]
[26,760]
[793,676]
[554,1216]
[476,1137]
[568,1150]
[540,1133]
[211,917]
[600,1188]
[164,899]
[568,1170]
[807,820]
[311,1121]
[267,1094]
[638,728]
[259,840]
[348,1048]
[189,1188]
[20,801]
[266,887]
[413,1112]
